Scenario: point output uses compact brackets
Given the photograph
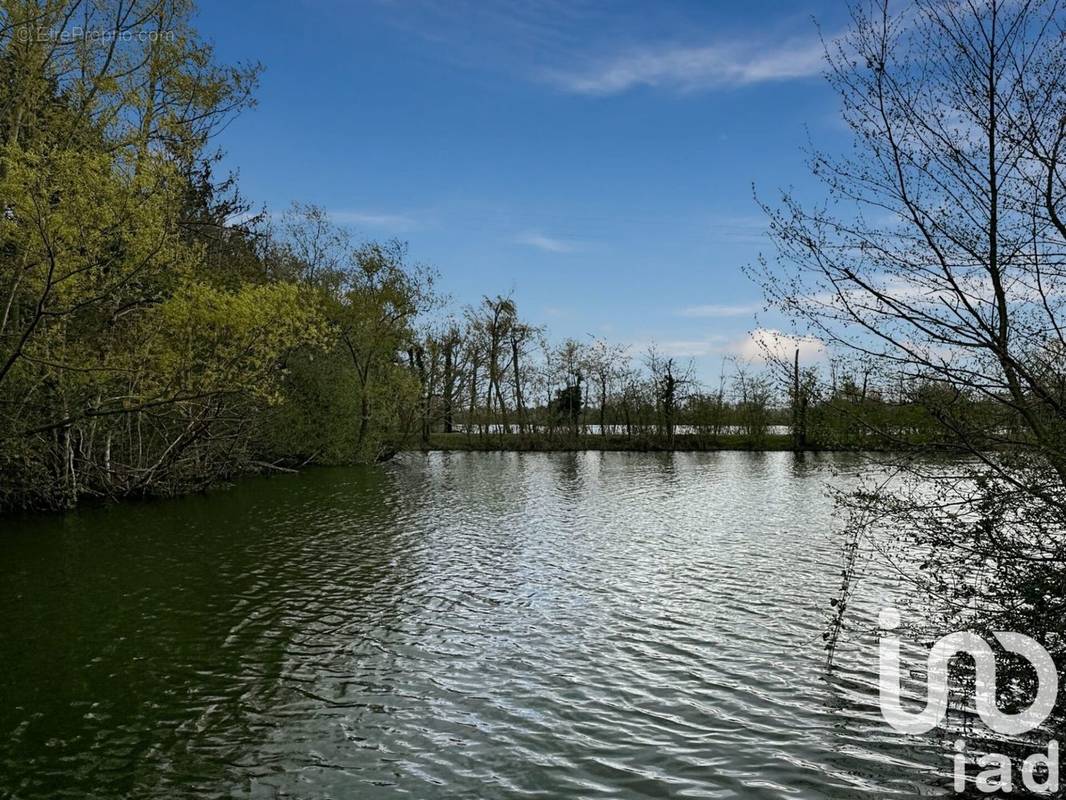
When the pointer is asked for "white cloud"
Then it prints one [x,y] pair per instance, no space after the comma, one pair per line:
[723,64]
[395,222]
[763,344]
[243,217]
[546,243]
[717,311]
[758,346]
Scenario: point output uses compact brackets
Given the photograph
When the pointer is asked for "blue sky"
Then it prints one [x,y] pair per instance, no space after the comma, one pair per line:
[597,159]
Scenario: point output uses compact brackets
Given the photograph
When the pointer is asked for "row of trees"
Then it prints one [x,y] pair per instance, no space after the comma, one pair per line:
[148,342]
[491,373]
[488,374]
[156,337]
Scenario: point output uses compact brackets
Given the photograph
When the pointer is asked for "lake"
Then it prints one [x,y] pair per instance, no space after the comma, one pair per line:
[453,625]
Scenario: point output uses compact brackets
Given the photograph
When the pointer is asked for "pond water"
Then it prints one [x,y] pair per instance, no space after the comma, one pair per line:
[467,625]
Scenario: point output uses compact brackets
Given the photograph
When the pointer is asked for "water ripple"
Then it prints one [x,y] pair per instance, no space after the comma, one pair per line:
[452,625]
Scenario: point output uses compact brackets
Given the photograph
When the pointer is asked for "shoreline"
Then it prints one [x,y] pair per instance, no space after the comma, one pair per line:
[514,442]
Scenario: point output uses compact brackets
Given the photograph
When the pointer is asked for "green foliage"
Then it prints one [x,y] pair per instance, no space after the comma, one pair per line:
[567,405]
[148,344]
[317,418]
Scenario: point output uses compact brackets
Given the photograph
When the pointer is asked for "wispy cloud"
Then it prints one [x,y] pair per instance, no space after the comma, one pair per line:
[716,65]
[737,229]
[393,222]
[546,243]
[679,348]
[716,311]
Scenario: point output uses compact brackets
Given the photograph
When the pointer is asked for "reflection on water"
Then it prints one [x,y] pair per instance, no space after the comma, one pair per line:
[452,625]
[622,430]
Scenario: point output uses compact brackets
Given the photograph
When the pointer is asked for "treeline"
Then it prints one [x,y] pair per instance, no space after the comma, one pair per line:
[488,373]
[490,379]
[151,342]
[157,337]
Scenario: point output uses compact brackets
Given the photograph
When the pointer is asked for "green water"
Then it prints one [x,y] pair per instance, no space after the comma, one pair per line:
[451,625]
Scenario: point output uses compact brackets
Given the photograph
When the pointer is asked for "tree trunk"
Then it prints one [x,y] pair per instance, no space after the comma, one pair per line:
[449,387]
[519,408]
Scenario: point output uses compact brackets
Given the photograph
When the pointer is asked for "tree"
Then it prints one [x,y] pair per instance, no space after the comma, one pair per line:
[98,142]
[668,382]
[492,322]
[942,265]
[753,399]
[568,404]
[520,334]
[379,297]
[602,360]
[150,343]
[451,343]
